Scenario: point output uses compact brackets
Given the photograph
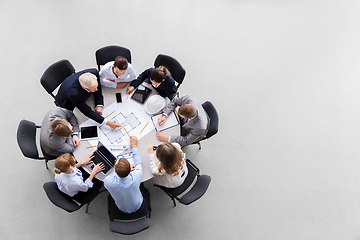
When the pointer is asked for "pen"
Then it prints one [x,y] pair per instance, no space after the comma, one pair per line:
[126,131]
[127,96]
[110,114]
[144,127]
[154,147]
[91,146]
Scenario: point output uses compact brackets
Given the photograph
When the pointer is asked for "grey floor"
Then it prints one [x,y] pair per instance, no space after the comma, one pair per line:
[283,75]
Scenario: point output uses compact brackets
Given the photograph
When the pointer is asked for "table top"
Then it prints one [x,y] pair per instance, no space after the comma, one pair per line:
[81,151]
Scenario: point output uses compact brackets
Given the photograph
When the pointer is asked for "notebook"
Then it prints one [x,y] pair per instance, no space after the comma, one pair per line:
[170,122]
[102,154]
[141,94]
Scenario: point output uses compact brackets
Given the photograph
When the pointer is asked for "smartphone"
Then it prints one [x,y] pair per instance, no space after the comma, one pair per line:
[118,97]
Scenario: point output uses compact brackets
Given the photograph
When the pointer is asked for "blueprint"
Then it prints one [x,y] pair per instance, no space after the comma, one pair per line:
[129,122]
[130,115]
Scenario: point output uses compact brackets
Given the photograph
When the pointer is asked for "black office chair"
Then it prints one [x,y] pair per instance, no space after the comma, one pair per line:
[66,202]
[132,223]
[195,192]
[175,68]
[26,138]
[214,121]
[109,53]
[55,75]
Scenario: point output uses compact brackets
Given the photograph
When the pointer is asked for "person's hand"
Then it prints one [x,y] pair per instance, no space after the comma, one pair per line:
[132,167]
[150,149]
[162,136]
[110,79]
[99,110]
[130,89]
[162,120]
[75,140]
[113,124]
[87,159]
[133,141]
[121,85]
[98,167]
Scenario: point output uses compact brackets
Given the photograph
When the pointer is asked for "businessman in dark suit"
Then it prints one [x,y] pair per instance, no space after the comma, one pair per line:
[77,88]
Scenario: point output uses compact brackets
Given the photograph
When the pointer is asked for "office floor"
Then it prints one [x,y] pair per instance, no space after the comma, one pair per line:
[283,75]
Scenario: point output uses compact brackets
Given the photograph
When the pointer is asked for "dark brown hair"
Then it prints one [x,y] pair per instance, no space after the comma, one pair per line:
[159,73]
[121,63]
[170,157]
[122,168]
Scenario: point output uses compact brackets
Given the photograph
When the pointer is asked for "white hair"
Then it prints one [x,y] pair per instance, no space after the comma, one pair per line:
[87,80]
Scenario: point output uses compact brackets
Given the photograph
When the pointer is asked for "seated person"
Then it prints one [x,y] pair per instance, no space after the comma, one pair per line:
[169,165]
[77,88]
[124,183]
[116,74]
[194,120]
[69,178]
[59,132]
[159,78]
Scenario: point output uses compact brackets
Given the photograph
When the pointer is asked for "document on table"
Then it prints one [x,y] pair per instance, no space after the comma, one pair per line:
[171,121]
[130,115]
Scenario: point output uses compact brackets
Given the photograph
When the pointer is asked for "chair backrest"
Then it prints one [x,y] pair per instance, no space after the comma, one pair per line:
[129,223]
[26,138]
[109,53]
[55,75]
[196,191]
[60,199]
[214,118]
[175,68]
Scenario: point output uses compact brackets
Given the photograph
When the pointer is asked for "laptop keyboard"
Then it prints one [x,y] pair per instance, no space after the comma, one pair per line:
[97,159]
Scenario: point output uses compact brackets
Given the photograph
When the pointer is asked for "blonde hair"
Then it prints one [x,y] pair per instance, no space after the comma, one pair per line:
[63,162]
[170,157]
[87,80]
[60,128]
[187,110]
[165,70]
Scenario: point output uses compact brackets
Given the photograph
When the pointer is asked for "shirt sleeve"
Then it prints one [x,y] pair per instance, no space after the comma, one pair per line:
[154,164]
[141,78]
[184,140]
[138,172]
[84,185]
[132,73]
[107,83]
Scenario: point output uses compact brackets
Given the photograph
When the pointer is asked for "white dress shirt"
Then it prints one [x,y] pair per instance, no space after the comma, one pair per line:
[72,183]
[107,72]
[163,179]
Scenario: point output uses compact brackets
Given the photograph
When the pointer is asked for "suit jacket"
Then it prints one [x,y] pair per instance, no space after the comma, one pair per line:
[72,95]
[194,129]
[165,89]
[52,144]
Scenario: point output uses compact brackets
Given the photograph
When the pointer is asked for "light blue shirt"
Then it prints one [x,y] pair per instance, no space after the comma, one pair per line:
[107,72]
[126,191]
[72,183]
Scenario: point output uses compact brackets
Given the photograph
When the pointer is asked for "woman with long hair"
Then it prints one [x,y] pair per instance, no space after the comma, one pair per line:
[168,164]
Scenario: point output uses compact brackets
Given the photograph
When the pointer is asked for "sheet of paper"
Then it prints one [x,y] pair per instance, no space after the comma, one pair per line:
[130,115]
[171,121]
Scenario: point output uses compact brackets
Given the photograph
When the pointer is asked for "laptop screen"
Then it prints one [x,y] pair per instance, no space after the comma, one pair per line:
[106,154]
